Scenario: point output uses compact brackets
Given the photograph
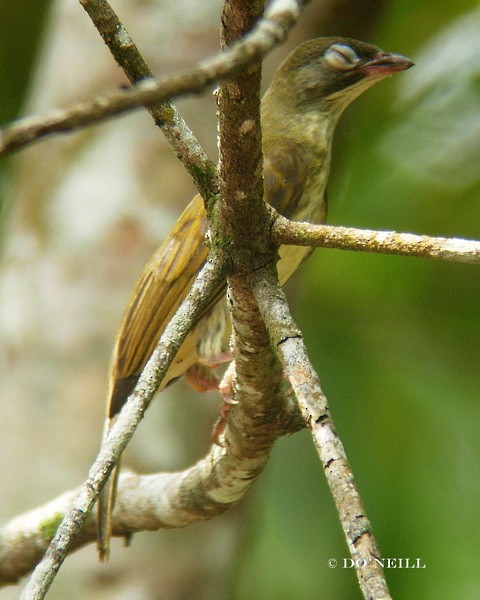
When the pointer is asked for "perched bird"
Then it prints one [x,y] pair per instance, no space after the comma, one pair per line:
[299,113]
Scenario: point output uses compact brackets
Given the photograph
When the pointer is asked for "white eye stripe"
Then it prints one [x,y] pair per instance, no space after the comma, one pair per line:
[342,57]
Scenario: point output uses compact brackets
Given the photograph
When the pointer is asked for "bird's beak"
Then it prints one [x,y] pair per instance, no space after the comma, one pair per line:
[384,64]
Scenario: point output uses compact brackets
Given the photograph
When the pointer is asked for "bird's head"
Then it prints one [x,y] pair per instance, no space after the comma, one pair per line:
[326,74]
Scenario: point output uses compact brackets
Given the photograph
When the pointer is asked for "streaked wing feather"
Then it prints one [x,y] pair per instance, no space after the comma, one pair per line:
[164,283]
[285,174]
[285,179]
[168,276]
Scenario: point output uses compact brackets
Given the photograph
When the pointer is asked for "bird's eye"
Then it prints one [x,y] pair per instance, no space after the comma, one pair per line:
[341,57]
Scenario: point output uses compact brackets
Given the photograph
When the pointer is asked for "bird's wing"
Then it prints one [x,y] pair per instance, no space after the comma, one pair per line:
[164,283]
[169,274]
[285,174]
[286,189]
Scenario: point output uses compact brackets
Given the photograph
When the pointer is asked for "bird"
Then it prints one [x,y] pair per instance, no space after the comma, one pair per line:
[299,113]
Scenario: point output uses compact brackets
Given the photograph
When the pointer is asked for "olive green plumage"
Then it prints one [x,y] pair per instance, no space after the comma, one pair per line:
[300,110]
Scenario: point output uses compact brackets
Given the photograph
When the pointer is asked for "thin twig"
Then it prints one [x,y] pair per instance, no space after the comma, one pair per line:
[166,116]
[287,340]
[380,242]
[191,308]
[270,31]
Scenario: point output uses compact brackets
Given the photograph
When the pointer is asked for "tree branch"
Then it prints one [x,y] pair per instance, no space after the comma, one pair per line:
[380,242]
[185,145]
[257,372]
[287,339]
[149,502]
[207,282]
[269,31]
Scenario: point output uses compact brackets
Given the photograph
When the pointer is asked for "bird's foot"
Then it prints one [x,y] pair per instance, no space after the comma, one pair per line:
[225,388]
[200,375]
[201,378]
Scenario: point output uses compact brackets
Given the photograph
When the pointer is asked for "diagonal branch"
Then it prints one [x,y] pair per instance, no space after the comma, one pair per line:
[268,32]
[380,242]
[287,339]
[191,308]
[185,145]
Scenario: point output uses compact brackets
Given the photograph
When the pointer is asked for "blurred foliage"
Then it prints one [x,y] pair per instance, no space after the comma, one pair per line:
[21,26]
[395,340]
[20,33]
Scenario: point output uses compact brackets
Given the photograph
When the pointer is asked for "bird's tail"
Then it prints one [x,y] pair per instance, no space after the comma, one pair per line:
[106,502]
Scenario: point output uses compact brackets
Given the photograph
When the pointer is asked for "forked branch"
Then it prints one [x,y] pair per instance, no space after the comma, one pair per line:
[267,32]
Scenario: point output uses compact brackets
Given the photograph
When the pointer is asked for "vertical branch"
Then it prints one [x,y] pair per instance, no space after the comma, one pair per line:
[240,167]
[242,228]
